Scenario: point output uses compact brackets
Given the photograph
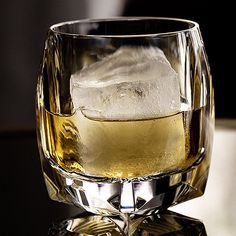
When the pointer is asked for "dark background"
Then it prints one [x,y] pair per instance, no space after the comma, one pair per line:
[24,25]
[22,33]
[27,209]
[216,24]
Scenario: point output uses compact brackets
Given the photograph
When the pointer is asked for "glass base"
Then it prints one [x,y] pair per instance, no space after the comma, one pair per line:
[165,223]
[136,196]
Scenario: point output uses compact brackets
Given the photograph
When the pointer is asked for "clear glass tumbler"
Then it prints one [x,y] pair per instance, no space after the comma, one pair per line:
[125,114]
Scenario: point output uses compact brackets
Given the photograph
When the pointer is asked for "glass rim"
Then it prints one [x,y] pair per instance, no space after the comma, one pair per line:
[192,26]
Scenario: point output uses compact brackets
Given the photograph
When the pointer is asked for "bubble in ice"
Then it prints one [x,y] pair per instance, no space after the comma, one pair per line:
[131,83]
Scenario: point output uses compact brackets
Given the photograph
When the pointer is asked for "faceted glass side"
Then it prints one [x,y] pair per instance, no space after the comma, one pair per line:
[141,196]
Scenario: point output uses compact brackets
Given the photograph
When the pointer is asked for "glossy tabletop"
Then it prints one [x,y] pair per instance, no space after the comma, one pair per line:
[27,210]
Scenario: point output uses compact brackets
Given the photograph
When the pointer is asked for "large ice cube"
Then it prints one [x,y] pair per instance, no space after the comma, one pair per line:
[132,83]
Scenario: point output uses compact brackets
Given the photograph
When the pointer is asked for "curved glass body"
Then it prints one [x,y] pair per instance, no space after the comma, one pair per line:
[125,114]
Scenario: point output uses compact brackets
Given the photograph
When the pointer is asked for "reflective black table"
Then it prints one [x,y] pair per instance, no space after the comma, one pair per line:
[27,210]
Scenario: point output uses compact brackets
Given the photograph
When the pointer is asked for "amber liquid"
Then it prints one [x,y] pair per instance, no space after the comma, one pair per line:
[123,148]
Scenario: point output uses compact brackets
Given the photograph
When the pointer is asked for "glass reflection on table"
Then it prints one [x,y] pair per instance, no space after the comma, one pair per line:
[164,223]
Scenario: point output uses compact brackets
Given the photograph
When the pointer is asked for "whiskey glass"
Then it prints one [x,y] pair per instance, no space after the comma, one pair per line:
[125,114]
